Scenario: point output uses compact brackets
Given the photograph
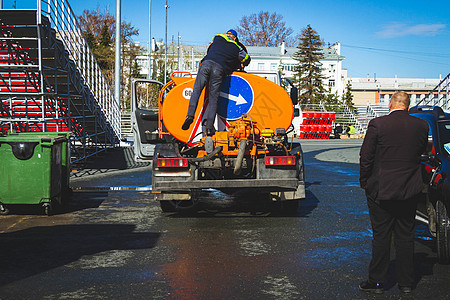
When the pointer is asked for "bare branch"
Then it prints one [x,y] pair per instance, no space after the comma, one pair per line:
[264,29]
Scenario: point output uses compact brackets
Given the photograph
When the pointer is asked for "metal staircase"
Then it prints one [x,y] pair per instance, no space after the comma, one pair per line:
[439,96]
[50,81]
[365,113]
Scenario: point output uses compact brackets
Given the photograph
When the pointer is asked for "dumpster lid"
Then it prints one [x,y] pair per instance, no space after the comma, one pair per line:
[44,137]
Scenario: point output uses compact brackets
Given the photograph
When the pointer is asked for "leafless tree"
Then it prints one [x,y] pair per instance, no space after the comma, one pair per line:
[264,29]
[99,29]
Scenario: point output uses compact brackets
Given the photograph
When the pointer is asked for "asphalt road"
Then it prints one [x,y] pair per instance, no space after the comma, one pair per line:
[116,244]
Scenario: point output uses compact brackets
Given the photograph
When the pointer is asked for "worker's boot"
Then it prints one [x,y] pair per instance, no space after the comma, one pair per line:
[187,123]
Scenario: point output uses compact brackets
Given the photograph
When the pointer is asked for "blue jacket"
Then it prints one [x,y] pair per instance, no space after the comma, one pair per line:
[226,52]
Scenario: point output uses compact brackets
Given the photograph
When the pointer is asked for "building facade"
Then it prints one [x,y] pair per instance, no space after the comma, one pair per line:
[264,59]
[380,90]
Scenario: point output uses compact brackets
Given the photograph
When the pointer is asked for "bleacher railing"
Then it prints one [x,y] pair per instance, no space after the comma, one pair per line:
[65,23]
[439,96]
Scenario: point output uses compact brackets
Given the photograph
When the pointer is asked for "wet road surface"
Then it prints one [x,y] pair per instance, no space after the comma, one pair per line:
[116,244]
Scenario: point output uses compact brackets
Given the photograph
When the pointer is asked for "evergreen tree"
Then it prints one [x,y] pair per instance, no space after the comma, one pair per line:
[347,97]
[136,70]
[105,37]
[104,53]
[90,39]
[308,71]
[320,96]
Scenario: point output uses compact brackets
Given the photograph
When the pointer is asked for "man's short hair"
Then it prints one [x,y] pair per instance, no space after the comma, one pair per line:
[400,100]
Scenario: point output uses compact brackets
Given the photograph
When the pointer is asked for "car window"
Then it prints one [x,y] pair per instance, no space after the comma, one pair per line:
[444,137]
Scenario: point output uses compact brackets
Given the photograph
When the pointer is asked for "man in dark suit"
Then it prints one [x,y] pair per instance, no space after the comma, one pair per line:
[390,173]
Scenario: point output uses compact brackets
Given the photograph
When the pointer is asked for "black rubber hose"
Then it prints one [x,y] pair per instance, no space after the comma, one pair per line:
[240,157]
[206,157]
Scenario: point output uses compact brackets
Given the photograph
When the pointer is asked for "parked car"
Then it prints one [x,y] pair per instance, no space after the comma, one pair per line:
[435,207]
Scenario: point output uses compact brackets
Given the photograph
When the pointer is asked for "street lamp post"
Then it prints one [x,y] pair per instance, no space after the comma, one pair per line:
[117,59]
[149,76]
[165,49]
[178,51]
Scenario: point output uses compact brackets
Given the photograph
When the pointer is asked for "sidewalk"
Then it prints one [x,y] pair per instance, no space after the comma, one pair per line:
[111,168]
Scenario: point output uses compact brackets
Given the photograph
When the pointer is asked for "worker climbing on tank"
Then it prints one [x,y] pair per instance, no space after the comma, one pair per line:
[224,55]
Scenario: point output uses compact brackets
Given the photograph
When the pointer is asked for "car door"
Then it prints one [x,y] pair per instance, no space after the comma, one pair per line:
[144,117]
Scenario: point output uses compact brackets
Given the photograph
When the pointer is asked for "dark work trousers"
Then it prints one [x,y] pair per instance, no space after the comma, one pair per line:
[392,217]
[212,73]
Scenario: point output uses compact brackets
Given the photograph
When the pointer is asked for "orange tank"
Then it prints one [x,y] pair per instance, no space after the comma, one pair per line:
[266,103]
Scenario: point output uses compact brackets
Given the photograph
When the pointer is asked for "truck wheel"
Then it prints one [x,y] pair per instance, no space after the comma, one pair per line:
[291,205]
[443,233]
[287,207]
[178,205]
[3,210]
[167,206]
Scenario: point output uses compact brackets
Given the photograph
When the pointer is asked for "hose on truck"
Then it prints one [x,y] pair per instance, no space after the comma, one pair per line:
[199,159]
[240,157]
[207,156]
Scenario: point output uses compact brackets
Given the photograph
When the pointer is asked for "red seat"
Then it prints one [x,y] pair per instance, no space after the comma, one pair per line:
[305,128]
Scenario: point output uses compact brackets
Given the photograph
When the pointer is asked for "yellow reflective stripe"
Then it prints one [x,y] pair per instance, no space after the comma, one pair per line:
[246,57]
[228,39]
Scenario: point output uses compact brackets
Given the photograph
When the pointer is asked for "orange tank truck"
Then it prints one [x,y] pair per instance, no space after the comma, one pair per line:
[249,150]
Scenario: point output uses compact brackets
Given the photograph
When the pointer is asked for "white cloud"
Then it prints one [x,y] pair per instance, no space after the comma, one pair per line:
[397,30]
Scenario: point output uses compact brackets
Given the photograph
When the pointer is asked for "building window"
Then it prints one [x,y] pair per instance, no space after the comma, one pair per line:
[331,83]
[417,99]
[289,68]
[260,66]
[332,69]
[273,67]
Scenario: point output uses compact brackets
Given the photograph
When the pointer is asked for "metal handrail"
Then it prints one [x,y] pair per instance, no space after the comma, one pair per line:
[371,112]
[65,23]
[441,89]
[358,126]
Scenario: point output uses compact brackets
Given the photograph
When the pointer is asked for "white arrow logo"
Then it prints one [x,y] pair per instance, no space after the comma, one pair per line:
[238,99]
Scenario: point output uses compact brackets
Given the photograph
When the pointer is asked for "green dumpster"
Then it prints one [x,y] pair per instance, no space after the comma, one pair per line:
[34,169]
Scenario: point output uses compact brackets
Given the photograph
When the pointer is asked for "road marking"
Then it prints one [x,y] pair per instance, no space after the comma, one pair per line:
[112,188]
[13,225]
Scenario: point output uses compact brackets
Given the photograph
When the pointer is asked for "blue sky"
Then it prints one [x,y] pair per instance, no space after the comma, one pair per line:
[386,38]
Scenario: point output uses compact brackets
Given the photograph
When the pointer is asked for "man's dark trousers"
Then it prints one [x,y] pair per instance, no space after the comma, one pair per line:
[211,72]
[392,217]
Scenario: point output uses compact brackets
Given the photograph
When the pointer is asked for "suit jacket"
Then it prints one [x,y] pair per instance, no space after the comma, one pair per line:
[390,156]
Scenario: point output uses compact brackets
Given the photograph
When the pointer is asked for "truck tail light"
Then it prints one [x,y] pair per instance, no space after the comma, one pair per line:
[171,162]
[279,161]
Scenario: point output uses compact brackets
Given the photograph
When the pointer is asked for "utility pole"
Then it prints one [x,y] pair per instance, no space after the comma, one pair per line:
[165,50]
[149,76]
[117,62]
[178,51]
